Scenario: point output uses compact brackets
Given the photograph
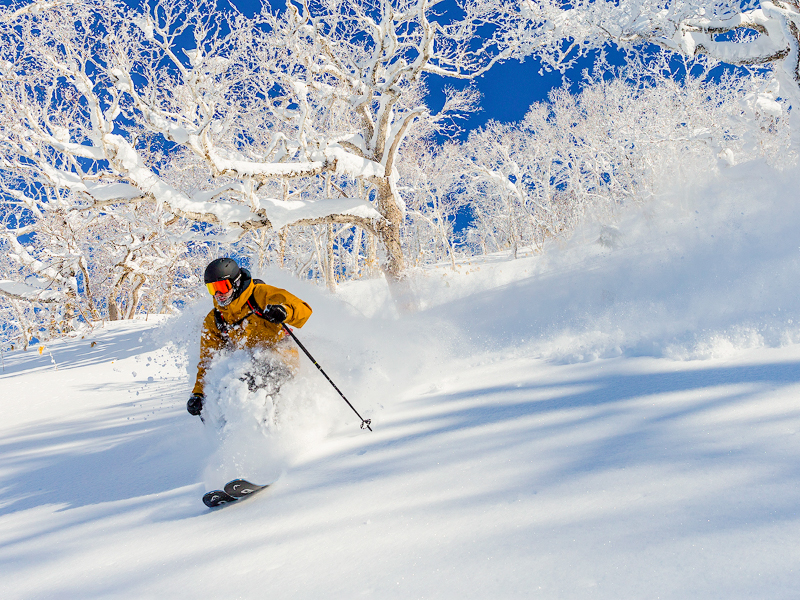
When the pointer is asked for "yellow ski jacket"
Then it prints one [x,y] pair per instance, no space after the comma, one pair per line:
[244,329]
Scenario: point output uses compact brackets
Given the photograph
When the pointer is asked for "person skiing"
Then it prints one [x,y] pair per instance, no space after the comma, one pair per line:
[247,314]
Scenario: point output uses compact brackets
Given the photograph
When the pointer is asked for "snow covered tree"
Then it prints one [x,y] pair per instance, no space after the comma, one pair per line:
[735,32]
[432,184]
[199,110]
[616,143]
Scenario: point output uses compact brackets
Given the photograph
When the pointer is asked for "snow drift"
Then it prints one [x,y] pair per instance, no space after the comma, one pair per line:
[704,271]
[494,469]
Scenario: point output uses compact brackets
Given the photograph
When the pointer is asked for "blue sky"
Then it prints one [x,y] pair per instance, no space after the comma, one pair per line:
[508,90]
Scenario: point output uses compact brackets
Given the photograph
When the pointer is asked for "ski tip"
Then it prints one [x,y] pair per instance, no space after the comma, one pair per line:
[238,488]
[217,498]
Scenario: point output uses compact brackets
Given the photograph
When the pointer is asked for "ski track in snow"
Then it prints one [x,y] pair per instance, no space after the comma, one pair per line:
[522,449]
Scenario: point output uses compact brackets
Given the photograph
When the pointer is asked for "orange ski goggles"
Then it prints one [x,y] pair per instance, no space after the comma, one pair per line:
[219,287]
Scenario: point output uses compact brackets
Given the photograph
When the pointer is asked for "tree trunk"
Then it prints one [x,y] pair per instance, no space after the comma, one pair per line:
[113,309]
[114,312]
[165,299]
[355,253]
[88,291]
[23,323]
[372,256]
[389,232]
[330,266]
[263,251]
[133,297]
[282,236]
[68,324]
[394,265]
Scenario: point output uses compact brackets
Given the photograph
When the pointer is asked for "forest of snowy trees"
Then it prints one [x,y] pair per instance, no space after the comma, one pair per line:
[138,142]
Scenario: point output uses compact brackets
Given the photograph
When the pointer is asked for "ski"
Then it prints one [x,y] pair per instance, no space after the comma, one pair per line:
[239,488]
[233,491]
[217,498]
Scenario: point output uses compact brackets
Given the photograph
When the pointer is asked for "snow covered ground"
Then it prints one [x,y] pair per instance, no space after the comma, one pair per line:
[613,420]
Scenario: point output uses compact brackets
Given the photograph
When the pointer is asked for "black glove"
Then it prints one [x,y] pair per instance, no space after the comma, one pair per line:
[274,313]
[195,404]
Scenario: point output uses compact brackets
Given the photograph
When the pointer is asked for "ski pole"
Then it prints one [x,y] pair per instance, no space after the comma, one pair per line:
[364,422]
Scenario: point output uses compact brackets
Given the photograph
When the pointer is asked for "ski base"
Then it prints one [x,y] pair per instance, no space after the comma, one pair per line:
[233,491]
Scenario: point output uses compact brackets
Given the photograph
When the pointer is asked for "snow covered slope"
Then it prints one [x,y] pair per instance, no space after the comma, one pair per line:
[609,421]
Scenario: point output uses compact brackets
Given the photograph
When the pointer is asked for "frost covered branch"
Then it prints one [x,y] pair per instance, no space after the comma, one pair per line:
[114,106]
[736,32]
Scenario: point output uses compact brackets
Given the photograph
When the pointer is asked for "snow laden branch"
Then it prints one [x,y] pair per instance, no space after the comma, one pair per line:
[207,114]
[736,32]
[71,119]
[349,75]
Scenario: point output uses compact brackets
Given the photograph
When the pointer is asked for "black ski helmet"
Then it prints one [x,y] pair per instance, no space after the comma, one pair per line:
[222,268]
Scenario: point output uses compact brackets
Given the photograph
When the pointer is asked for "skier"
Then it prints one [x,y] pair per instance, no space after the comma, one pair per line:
[247,314]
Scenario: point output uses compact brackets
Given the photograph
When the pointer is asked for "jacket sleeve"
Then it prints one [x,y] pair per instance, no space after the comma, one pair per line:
[211,341]
[298,311]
